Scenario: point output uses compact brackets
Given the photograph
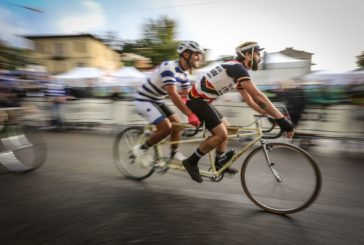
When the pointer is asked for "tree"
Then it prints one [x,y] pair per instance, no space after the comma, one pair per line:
[360,60]
[157,43]
[112,39]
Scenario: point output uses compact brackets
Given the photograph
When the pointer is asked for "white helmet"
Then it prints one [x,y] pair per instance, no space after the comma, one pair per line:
[189,45]
[248,46]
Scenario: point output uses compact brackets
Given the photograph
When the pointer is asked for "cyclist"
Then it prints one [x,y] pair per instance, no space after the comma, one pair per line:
[218,81]
[166,81]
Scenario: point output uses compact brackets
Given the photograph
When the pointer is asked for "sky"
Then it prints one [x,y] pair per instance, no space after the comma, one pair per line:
[333,30]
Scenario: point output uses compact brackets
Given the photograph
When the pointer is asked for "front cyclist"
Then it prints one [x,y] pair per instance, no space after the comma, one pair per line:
[220,80]
[149,100]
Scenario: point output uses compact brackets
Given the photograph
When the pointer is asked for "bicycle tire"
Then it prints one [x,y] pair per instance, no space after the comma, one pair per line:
[301,178]
[123,143]
[23,147]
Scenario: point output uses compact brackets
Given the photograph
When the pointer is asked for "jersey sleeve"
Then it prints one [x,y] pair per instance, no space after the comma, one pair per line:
[237,72]
[167,74]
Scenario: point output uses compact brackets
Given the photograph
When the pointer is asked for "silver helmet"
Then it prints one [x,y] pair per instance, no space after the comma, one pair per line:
[189,45]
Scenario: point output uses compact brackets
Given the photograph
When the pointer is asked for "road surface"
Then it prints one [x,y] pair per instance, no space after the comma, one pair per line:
[78,197]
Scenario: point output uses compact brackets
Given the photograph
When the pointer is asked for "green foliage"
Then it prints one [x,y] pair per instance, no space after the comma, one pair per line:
[11,58]
[360,60]
[157,43]
[112,39]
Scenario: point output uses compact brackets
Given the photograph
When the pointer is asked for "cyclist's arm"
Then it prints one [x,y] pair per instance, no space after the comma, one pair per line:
[260,99]
[250,102]
[263,102]
[176,99]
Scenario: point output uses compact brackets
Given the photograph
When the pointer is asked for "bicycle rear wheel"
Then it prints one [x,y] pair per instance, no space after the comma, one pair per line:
[130,167]
[289,185]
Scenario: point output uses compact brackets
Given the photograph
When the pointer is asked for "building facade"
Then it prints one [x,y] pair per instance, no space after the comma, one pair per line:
[60,53]
[278,67]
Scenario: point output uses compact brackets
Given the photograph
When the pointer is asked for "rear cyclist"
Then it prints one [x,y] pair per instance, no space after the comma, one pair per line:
[149,100]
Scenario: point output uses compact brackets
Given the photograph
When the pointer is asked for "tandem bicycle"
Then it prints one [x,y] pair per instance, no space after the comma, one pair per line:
[278,177]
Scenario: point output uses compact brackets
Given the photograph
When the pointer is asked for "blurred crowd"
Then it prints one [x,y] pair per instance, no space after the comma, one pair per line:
[17,87]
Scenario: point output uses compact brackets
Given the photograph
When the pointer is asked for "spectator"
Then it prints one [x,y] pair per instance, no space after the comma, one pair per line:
[56,93]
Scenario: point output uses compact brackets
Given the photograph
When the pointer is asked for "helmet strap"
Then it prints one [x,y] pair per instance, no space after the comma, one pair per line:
[188,60]
[252,58]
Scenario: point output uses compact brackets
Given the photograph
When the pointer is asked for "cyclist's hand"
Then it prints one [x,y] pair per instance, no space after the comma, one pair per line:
[193,120]
[286,126]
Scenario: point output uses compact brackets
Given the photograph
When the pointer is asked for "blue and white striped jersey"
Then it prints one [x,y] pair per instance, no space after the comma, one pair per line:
[169,72]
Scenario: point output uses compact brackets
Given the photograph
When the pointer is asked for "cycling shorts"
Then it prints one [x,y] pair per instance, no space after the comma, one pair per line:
[206,112]
[154,112]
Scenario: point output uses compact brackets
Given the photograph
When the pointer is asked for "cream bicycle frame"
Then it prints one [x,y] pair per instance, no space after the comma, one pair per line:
[213,173]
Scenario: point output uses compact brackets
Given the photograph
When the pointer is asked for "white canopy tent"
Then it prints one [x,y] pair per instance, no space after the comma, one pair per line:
[81,72]
[129,76]
[80,76]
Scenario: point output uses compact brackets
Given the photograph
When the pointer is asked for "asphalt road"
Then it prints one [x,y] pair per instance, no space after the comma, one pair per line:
[78,197]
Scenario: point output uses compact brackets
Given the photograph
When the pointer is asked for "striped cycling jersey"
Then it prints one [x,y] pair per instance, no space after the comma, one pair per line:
[219,80]
[169,72]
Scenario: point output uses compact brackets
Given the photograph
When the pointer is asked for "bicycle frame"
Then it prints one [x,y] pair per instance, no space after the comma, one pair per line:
[238,132]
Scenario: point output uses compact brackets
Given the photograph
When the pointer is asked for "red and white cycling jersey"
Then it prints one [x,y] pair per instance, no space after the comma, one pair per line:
[220,80]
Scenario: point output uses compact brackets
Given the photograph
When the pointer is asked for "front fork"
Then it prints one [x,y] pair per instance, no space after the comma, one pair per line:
[266,149]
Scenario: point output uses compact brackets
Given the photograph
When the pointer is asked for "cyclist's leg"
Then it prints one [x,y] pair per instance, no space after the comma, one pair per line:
[222,156]
[218,138]
[174,131]
[163,129]
[223,146]
[155,115]
[176,136]
[212,119]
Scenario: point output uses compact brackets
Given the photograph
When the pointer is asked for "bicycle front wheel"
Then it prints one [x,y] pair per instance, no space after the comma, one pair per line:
[286,180]
[22,148]
[129,166]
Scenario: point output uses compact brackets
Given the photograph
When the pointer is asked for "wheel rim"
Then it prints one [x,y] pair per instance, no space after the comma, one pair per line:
[301,179]
[134,168]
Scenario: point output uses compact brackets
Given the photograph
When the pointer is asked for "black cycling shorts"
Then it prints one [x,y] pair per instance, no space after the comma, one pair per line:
[206,112]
